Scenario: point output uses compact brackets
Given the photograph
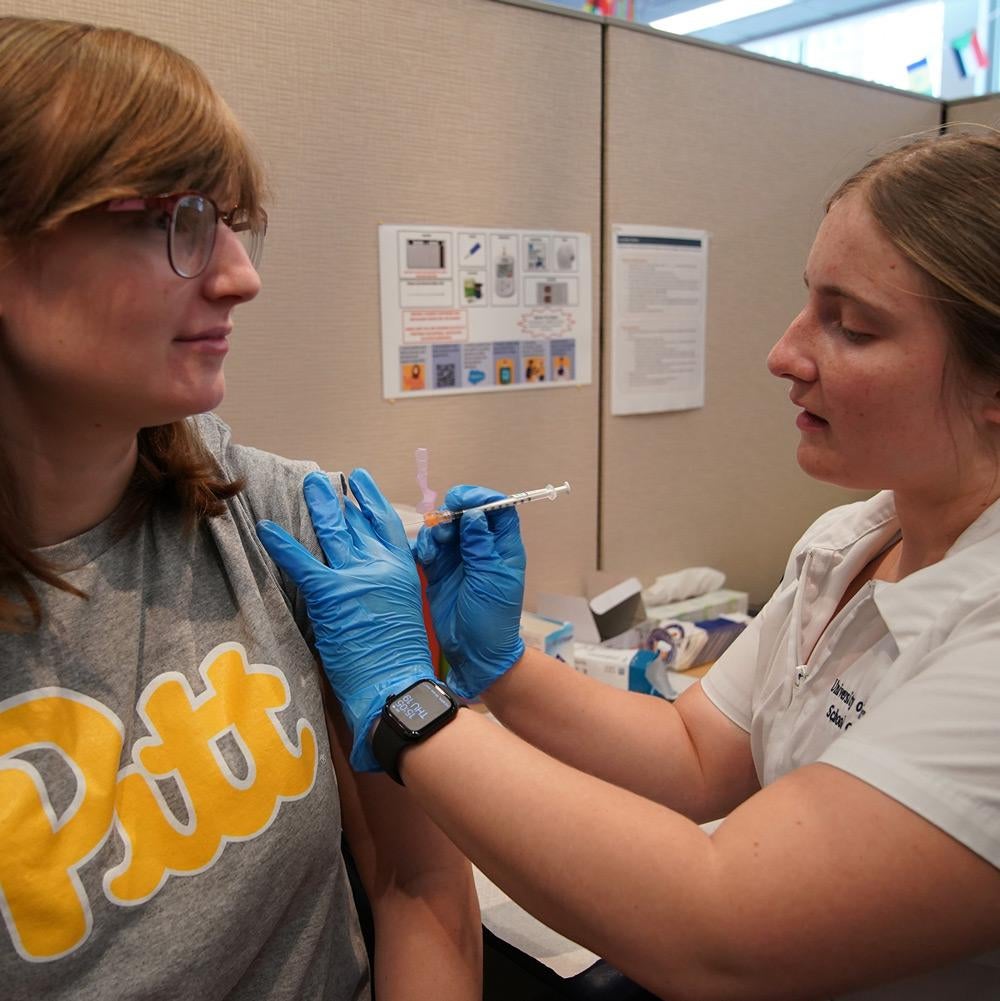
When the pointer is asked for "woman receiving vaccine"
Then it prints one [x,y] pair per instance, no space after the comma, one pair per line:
[171,801]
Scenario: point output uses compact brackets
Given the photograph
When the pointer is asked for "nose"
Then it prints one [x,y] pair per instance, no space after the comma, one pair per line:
[792,356]
[229,274]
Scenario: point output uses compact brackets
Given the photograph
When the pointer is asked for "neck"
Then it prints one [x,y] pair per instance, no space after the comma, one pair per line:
[68,479]
[930,525]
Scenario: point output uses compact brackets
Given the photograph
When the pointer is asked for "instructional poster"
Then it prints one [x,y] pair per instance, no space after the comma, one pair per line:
[658,296]
[482,310]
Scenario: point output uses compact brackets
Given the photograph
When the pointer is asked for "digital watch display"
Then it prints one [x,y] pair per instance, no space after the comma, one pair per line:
[410,717]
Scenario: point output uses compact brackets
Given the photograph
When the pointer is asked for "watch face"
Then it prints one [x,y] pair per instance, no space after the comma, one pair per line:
[420,707]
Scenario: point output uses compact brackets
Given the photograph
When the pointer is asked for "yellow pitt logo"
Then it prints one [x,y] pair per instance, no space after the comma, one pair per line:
[42,899]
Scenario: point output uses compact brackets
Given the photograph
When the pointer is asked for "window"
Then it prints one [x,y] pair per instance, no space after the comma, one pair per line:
[948,49]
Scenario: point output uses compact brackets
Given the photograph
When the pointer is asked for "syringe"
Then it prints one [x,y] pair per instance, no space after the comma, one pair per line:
[444,515]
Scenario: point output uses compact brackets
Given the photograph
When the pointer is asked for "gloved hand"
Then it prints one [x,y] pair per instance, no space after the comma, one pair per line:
[365,606]
[475,584]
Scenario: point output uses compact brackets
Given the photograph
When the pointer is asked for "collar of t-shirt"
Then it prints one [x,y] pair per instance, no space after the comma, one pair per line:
[841,549]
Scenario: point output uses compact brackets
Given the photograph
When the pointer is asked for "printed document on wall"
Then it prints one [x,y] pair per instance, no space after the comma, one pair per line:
[658,294]
[468,310]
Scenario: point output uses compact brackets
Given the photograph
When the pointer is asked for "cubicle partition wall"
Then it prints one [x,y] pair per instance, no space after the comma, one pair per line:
[491,114]
[978,111]
[452,112]
[465,113]
[747,149]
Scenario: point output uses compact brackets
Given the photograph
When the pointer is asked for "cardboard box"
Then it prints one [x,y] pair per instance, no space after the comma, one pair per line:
[612,607]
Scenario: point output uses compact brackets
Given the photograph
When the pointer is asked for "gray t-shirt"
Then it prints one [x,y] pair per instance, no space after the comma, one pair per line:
[169,819]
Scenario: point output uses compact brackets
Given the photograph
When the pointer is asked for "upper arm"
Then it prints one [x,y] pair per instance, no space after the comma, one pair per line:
[718,726]
[824,883]
[395,845]
[880,860]
[428,931]
[723,751]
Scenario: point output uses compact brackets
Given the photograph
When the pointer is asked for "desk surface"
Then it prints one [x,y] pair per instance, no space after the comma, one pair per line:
[698,672]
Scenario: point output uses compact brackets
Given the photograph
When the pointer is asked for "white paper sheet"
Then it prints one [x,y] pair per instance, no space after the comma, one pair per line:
[517,927]
[658,293]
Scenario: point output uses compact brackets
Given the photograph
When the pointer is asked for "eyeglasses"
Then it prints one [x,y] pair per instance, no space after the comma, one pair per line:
[191,221]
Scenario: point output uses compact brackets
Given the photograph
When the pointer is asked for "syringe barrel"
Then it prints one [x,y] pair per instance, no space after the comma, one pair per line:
[443,516]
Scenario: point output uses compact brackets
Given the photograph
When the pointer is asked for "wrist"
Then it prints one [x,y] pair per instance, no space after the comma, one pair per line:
[478,675]
[410,717]
[509,685]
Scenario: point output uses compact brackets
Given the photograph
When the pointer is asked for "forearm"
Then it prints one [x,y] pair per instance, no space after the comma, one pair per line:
[428,931]
[760,911]
[429,940]
[630,740]
[565,846]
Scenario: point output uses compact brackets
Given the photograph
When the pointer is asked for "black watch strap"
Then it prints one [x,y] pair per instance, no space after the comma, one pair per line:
[408,718]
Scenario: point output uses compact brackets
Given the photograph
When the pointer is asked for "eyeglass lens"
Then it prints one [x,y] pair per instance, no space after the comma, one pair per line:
[193,231]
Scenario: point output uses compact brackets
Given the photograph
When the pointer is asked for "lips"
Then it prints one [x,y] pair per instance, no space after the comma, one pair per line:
[808,421]
[212,334]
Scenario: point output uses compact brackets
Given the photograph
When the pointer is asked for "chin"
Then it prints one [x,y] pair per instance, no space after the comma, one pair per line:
[820,467]
[187,406]
[205,398]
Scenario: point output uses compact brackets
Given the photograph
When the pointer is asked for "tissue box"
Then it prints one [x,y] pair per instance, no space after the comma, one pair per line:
[705,606]
[622,669]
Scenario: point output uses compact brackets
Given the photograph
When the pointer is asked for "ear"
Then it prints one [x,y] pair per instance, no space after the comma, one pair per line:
[8,258]
[990,407]
[5,259]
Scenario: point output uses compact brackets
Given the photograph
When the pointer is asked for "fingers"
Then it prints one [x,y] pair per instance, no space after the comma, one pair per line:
[379,513]
[445,534]
[478,548]
[290,555]
[467,495]
[506,525]
[427,549]
[328,519]
[438,557]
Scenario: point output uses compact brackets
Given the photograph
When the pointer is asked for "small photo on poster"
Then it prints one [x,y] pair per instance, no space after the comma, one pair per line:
[563,352]
[414,377]
[505,267]
[535,367]
[506,371]
[506,357]
[446,366]
[536,253]
[473,283]
[413,369]
[476,365]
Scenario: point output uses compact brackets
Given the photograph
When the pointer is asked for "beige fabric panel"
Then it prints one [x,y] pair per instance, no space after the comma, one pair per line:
[746,149]
[983,111]
[463,112]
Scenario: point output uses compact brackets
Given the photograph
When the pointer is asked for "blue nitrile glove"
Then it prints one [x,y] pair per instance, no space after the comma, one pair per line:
[475,584]
[365,606]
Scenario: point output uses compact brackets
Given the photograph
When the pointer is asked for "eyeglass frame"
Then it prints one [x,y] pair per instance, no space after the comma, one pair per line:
[169,203]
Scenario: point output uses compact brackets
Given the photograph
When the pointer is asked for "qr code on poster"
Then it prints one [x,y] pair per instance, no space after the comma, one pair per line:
[444,375]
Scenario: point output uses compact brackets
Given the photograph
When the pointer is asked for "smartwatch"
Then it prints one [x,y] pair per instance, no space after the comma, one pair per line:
[408,718]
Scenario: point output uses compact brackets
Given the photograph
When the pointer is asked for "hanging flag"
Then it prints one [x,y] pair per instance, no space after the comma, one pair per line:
[919,75]
[625,9]
[969,53]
